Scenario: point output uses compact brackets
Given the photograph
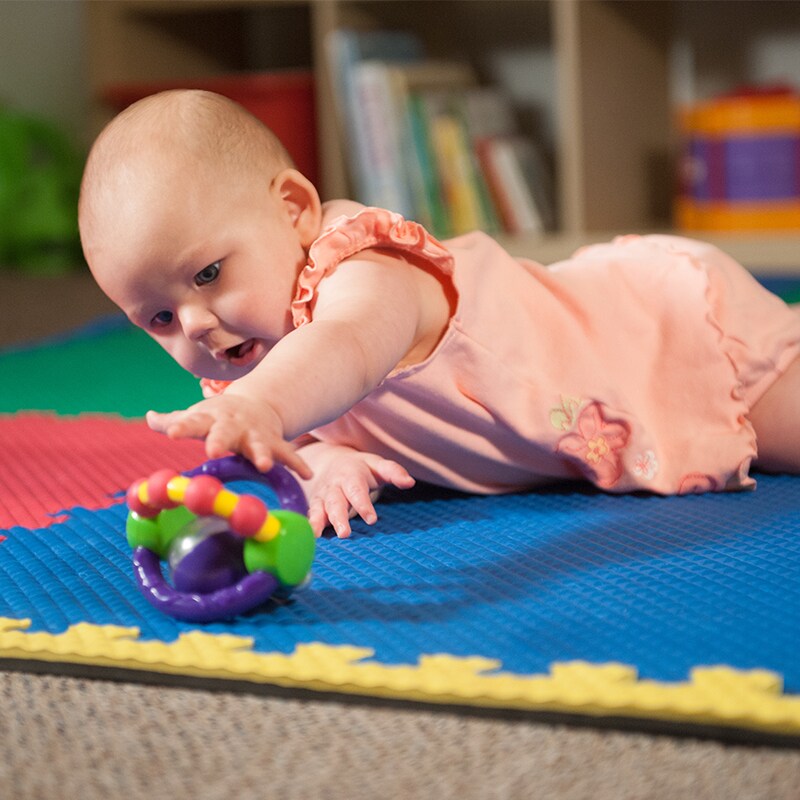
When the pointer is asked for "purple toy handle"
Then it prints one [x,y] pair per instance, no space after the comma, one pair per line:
[237,468]
[252,589]
[249,592]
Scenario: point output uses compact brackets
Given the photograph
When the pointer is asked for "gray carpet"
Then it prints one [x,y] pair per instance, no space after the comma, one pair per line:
[94,740]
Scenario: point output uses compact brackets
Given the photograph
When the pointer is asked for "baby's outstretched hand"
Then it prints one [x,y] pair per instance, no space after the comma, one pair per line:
[344,486]
[232,423]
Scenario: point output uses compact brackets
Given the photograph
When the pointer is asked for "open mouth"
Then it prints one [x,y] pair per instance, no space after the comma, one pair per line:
[242,353]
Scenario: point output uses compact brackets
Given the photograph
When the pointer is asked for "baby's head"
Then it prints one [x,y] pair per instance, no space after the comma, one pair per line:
[194,221]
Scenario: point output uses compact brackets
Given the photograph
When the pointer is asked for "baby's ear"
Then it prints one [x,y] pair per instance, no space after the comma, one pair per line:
[301,200]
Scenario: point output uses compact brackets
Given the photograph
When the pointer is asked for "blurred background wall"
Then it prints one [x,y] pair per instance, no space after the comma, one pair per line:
[42,66]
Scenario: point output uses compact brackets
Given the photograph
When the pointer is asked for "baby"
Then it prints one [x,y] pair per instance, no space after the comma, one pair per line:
[350,345]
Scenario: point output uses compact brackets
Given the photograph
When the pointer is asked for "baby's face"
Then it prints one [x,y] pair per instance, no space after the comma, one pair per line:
[207,269]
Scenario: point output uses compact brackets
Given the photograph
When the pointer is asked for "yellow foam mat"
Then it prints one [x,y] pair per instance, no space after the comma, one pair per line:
[718,696]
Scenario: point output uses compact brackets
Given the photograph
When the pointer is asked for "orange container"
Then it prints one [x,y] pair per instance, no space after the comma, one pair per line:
[740,167]
[282,100]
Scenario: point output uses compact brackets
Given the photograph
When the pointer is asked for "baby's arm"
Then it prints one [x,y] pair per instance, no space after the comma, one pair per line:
[345,484]
[375,312]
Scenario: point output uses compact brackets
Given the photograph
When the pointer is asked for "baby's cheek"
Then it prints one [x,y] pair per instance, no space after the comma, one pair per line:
[190,357]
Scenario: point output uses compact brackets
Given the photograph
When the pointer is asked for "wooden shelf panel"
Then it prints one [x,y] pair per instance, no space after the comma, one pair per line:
[768,254]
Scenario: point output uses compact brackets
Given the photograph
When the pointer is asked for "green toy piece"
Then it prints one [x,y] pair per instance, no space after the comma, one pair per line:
[289,555]
[157,533]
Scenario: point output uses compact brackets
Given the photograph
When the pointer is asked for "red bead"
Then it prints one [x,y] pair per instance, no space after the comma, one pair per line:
[135,504]
[200,495]
[248,515]
[157,496]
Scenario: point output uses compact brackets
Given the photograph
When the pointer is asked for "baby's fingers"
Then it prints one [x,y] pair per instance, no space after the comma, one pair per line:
[336,509]
[160,422]
[286,454]
[390,472]
[180,424]
[264,455]
[359,500]
[317,517]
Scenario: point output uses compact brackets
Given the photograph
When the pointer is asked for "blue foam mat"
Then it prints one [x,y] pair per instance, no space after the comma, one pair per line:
[661,584]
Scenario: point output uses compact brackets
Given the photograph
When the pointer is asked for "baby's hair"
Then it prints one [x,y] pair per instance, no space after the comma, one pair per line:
[202,124]
[229,128]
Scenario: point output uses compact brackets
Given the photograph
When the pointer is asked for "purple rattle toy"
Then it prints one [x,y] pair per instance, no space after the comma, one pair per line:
[227,553]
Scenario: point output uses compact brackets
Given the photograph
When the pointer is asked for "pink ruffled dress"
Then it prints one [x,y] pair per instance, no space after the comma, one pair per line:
[632,364]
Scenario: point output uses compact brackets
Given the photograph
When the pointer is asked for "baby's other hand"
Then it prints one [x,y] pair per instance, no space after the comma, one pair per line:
[233,423]
[345,485]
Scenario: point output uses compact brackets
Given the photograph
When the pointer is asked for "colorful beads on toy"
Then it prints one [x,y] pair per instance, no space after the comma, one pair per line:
[205,496]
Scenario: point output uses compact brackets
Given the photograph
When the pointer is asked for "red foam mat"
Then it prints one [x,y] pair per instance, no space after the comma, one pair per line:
[49,464]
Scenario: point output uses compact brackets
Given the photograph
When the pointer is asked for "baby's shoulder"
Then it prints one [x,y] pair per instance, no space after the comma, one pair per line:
[333,209]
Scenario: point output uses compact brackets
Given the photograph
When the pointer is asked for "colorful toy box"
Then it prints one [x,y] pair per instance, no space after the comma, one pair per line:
[740,162]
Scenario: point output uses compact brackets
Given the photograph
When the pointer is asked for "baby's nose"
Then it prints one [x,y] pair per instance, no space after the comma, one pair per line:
[196,321]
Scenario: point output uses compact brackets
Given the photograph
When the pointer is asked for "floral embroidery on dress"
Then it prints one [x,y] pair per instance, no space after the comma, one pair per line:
[597,443]
[645,465]
[563,417]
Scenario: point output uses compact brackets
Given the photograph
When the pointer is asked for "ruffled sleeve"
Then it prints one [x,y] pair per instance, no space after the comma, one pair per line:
[348,235]
[211,387]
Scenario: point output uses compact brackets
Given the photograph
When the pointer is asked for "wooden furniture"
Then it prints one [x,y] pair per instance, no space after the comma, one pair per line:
[608,83]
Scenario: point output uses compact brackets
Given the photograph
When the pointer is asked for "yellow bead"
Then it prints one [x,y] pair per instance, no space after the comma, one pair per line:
[224,503]
[269,530]
[176,488]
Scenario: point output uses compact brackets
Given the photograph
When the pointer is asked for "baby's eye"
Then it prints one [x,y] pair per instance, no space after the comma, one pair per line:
[207,275]
[161,319]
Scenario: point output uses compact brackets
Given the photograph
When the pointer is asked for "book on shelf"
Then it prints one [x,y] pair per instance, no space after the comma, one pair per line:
[418,154]
[425,140]
[512,196]
[345,50]
[463,190]
[381,121]
[513,168]
[519,182]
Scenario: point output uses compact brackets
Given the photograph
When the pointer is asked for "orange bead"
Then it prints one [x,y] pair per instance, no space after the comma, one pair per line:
[200,495]
[157,496]
[248,515]
[135,503]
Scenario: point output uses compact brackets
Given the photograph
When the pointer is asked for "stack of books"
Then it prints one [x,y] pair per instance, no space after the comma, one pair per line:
[423,138]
